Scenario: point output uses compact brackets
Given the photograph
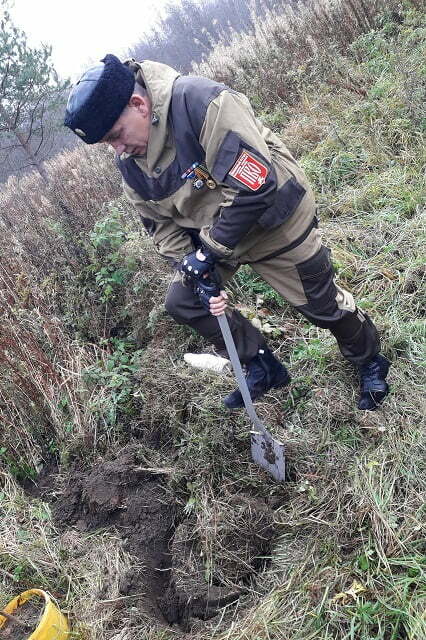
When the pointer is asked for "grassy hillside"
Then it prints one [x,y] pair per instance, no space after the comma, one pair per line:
[104,424]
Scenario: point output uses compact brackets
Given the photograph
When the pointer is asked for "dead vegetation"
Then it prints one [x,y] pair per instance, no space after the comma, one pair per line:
[90,361]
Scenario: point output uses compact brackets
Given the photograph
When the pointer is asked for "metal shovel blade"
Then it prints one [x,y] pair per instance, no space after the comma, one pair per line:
[265,450]
[269,454]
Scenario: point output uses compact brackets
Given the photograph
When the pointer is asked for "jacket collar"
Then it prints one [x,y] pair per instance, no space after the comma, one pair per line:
[158,79]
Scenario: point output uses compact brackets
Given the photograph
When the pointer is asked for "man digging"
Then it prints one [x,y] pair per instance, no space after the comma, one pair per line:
[216,189]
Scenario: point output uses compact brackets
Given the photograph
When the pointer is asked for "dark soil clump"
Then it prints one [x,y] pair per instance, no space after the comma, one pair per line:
[123,494]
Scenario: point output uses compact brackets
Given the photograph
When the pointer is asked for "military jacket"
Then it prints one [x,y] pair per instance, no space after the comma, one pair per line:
[250,184]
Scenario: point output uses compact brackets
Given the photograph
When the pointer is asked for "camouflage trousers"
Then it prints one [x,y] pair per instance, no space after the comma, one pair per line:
[303,274]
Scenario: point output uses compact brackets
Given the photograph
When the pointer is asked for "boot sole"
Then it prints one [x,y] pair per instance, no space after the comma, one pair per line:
[282,383]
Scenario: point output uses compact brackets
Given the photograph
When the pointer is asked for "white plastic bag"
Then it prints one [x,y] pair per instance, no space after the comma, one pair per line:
[208,362]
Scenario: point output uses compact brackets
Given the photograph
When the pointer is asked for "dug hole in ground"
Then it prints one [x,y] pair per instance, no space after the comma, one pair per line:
[170,579]
[85,338]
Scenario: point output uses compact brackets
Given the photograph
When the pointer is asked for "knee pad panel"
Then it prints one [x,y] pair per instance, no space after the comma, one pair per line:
[317,277]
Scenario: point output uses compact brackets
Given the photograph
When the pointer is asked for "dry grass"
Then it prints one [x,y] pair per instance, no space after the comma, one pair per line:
[72,387]
[44,225]
[283,47]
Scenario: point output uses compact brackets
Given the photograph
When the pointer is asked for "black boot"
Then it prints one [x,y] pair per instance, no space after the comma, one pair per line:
[374,387]
[264,372]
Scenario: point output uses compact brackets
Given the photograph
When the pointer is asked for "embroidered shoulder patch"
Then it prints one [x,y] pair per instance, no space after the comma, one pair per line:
[249,171]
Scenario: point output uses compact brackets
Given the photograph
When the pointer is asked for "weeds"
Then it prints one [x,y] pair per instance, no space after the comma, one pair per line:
[111,271]
[89,358]
[111,385]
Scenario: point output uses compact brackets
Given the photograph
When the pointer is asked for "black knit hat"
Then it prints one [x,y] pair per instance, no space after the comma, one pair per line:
[99,98]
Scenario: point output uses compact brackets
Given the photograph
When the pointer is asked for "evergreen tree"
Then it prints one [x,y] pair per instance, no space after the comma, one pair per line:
[30,96]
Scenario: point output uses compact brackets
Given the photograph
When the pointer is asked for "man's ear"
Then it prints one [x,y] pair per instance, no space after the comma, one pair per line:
[139,103]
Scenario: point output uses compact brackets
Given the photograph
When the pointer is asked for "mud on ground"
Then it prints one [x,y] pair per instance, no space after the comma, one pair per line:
[181,582]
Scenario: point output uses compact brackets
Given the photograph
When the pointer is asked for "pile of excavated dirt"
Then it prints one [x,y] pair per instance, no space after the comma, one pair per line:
[187,572]
[136,502]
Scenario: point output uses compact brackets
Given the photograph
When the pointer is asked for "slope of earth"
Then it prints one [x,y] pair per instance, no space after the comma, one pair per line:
[127,489]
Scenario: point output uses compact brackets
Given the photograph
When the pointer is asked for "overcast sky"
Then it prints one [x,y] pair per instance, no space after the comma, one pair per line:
[81,32]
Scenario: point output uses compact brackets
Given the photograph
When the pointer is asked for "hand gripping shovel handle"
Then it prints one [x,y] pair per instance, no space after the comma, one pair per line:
[266,451]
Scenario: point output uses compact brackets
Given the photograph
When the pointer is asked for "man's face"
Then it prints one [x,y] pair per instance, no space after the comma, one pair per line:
[130,133]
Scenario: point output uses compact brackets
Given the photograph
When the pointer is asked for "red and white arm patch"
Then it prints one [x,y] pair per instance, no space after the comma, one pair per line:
[249,171]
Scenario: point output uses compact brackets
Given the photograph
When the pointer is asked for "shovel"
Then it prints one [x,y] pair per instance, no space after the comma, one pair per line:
[265,450]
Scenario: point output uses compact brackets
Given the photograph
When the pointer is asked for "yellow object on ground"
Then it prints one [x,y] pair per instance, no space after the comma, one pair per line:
[52,626]
[345,597]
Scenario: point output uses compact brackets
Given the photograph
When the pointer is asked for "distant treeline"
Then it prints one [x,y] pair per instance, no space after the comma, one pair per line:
[189,30]
[187,33]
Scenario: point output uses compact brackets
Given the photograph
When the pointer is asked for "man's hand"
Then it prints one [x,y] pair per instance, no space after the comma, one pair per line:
[198,266]
[218,304]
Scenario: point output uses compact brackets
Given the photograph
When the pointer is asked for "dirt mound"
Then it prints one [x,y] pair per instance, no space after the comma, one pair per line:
[189,570]
[123,494]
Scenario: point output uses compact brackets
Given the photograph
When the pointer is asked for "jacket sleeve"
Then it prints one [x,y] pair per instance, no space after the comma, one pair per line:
[171,241]
[239,159]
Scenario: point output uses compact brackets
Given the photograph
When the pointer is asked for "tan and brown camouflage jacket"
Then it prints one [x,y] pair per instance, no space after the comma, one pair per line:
[250,184]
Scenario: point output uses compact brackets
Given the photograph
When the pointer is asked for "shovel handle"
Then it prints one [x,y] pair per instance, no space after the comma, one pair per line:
[265,450]
[211,286]
[239,374]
